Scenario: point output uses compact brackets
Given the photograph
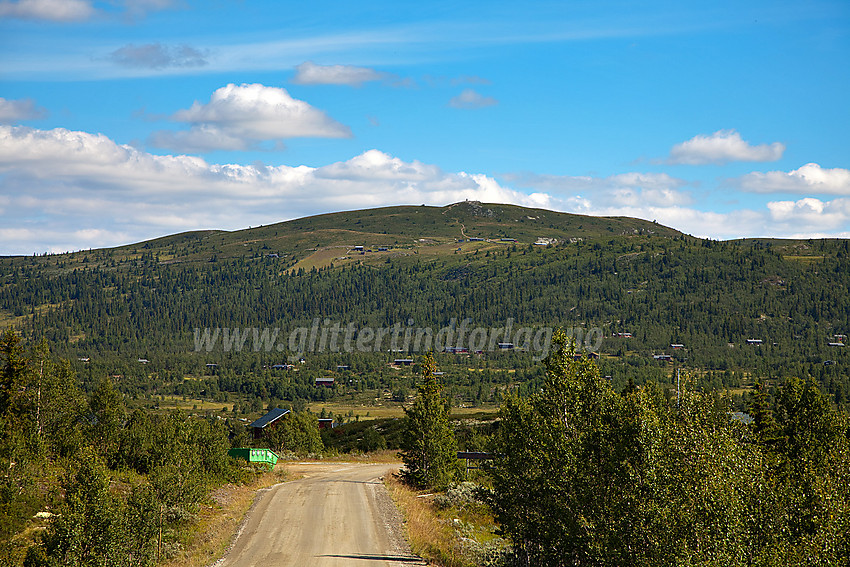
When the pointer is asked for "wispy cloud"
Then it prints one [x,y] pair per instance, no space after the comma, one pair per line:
[469,98]
[52,10]
[12,111]
[158,56]
[625,189]
[75,10]
[308,73]
[239,116]
[722,147]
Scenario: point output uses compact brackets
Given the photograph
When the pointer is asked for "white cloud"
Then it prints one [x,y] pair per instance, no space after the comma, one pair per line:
[74,10]
[722,147]
[469,98]
[66,190]
[22,109]
[810,178]
[75,182]
[625,189]
[53,10]
[809,215]
[238,116]
[158,56]
[308,73]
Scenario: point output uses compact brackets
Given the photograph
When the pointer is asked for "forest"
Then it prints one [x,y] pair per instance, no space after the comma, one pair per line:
[737,311]
[88,481]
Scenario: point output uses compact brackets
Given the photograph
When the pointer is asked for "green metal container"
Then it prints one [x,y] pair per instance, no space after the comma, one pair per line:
[265,456]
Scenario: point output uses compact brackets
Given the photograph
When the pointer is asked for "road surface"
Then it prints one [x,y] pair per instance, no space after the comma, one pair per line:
[337,514]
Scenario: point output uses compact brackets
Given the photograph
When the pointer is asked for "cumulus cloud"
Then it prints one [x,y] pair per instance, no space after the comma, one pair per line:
[65,190]
[722,147]
[83,182]
[469,98]
[807,217]
[158,56]
[240,116]
[22,109]
[810,178]
[308,73]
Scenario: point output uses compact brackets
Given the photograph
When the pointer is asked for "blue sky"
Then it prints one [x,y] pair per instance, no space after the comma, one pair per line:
[131,119]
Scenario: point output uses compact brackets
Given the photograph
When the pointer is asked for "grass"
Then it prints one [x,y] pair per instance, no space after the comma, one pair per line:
[449,537]
[208,538]
[431,537]
[387,409]
[171,401]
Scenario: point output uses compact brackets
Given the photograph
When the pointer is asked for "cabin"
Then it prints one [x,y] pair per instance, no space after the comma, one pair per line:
[403,362]
[663,357]
[326,381]
[358,248]
[835,344]
[267,422]
[754,341]
[588,354]
[326,423]
[506,346]
[677,346]
[457,350]
[342,367]
[624,335]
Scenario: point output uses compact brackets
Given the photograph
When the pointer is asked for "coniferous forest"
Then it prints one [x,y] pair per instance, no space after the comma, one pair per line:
[687,332]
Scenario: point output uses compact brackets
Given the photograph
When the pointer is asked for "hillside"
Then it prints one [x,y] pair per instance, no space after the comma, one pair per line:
[639,286]
[401,227]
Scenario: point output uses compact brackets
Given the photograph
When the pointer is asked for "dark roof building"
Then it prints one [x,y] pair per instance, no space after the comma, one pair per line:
[267,420]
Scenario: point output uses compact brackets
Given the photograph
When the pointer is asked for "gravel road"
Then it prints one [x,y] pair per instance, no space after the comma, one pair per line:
[337,514]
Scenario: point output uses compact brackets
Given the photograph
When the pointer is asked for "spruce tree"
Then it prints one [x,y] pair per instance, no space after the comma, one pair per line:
[429,446]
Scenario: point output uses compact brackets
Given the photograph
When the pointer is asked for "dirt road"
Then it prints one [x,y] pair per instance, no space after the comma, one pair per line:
[338,514]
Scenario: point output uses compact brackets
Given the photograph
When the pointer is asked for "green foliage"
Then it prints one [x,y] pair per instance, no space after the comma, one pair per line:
[586,476]
[365,435]
[429,449]
[297,432]
[94,528]
[50,431]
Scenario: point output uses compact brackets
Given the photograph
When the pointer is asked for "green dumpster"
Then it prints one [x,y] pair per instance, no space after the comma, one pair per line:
[265,456]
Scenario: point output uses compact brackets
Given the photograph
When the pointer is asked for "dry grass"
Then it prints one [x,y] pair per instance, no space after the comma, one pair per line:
[219,520]
[431,537]
[387,409]
[171,401]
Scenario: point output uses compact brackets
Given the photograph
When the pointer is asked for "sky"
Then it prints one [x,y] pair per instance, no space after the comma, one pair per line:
[126,120]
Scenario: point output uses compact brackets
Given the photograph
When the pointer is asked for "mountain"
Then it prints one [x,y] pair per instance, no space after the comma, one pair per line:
[742,310]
